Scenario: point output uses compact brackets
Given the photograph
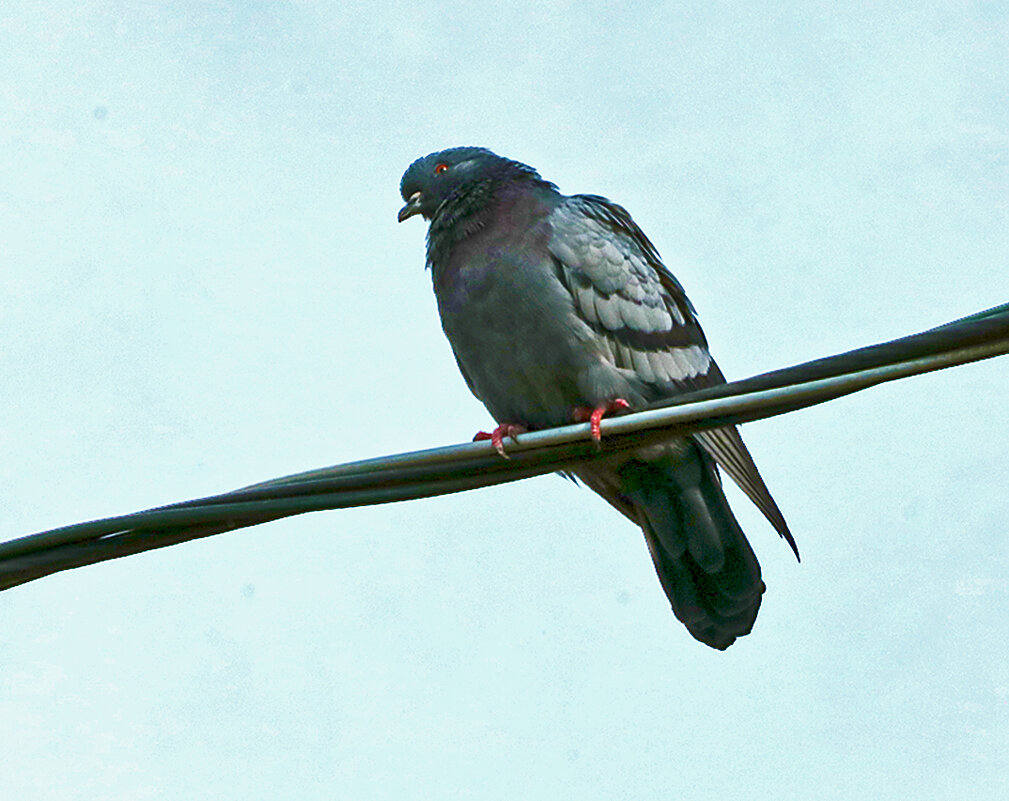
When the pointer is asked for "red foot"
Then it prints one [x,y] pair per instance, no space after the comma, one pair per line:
[583,414]
[498,434]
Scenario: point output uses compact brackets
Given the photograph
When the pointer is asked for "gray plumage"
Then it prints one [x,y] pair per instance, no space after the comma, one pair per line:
[555,302]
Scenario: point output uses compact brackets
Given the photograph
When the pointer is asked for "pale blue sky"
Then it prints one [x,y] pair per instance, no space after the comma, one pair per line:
[203,285]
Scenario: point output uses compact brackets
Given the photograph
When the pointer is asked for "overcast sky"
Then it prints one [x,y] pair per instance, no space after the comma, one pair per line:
[203,285]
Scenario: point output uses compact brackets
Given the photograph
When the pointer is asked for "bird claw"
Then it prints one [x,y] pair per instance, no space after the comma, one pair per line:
[594,417]
[498,434]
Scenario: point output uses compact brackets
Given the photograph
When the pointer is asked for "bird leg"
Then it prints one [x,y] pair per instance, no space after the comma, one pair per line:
[583,414]
[498,434]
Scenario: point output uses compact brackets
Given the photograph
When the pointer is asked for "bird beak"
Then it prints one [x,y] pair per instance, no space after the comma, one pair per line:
[412,207]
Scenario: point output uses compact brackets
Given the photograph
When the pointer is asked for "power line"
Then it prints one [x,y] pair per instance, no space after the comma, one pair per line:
[455,468]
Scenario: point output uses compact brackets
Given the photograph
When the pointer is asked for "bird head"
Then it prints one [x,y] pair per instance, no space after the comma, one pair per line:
[431,180]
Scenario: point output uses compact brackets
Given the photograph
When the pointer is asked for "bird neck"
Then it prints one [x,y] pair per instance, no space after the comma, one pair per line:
[470,208]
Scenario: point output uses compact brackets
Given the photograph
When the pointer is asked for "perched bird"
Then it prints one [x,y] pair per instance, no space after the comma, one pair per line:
[559,309]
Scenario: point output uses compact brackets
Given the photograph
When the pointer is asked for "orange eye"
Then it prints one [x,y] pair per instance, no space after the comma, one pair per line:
[440,168]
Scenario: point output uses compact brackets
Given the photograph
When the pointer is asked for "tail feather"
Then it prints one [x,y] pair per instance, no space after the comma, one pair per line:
[704,562]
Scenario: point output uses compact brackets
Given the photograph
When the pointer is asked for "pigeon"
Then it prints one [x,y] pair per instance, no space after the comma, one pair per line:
[558,308]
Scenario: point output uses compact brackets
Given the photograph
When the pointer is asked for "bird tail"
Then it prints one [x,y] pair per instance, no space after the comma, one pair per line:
[705,564]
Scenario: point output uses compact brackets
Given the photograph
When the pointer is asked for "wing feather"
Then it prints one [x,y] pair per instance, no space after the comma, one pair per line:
[624,292]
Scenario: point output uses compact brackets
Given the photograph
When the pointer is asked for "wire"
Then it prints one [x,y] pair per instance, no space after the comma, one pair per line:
[455,468]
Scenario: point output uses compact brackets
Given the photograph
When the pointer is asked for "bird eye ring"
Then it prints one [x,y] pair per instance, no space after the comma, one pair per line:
[440,168]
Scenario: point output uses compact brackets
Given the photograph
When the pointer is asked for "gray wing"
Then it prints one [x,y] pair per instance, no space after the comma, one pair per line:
[626,295]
